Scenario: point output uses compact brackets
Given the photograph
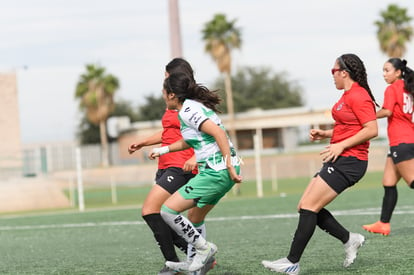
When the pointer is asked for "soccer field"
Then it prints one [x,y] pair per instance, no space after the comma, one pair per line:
[246,230]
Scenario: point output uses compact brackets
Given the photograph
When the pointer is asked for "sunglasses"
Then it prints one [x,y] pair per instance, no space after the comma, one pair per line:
[333,71]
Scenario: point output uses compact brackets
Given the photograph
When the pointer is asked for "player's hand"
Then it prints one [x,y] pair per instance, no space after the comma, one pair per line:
[316,134]
[332,152]
[153,155]
[159,151]
[234,176]
[134,147]
[190,165]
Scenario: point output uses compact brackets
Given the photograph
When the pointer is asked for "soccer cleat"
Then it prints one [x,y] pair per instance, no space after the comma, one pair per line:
[203,255]
[177,266]
[283,266]
[206,268]
[383,228]
[351,247]
[166,271]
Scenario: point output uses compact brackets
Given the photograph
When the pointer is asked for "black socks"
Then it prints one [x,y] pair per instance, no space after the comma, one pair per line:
[388,203]
[306,227]
[304,231]
[165,237]
[328,223]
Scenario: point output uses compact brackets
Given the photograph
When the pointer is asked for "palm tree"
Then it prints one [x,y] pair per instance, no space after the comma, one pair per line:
[96,90]
[394,31]
[220,37]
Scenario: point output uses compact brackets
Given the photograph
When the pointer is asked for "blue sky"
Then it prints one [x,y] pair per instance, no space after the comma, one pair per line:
[48,43]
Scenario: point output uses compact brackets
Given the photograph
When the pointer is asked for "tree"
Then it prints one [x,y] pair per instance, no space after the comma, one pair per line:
[88,133]
[220,37]
[394,31]
[95,90]
[153,109]
[270,90]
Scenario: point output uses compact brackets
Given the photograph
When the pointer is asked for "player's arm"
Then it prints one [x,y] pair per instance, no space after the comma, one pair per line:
[151,140]
[383,113]
[212,129]
[179,145]
[318,134]
[368,131]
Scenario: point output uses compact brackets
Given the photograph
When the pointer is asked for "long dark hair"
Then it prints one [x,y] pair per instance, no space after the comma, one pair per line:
[406,73]
[184,87]
[180,65]
[356,69]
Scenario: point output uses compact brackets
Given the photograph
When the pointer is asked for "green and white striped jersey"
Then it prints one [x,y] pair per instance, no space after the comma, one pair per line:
[192,115]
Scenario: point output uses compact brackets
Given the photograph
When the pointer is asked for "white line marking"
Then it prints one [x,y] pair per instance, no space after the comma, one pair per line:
[354,212]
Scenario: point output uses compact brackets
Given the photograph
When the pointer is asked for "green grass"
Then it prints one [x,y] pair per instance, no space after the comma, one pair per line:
[126,195]
[117,241]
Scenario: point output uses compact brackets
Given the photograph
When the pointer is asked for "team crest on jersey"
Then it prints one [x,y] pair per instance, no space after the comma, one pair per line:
[187,109]
[339,107]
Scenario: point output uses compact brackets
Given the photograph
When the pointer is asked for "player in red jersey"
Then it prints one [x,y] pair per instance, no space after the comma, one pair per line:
[345,162]
[398,109]
[174,170]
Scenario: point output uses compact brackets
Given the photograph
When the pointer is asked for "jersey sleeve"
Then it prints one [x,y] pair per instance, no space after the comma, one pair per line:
[363,107]
[193,116]
[389,98]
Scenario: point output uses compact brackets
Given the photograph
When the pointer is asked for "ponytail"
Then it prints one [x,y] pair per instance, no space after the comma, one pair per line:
[408,76]
[356,69]
[185,88]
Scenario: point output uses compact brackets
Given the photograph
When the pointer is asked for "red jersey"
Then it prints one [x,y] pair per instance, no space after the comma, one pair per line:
[170,134]
[352,110]
[400,123]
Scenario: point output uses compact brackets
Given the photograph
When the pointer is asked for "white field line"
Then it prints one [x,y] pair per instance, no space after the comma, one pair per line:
[354,212]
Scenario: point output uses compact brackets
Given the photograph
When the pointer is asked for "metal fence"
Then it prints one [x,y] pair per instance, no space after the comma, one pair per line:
[44,159]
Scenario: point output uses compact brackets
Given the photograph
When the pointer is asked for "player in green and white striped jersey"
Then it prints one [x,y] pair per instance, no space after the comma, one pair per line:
[219,166]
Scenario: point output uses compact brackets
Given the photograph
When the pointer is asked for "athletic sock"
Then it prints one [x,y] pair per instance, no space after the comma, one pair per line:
[162,234]
[201,228]
[388,203]
[329,224]
[182,226]
[304,231]
[178,241]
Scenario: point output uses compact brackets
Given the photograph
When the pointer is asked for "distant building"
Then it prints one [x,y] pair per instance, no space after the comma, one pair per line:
[279,130]
[10,145]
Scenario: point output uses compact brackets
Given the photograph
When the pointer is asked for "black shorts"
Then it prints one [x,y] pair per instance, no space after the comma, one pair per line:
[401,152]
[343,173]
[172,178]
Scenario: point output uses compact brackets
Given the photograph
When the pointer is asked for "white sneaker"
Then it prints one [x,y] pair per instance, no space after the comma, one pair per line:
[351,247]
[178,266]
[202,256]
[283,266]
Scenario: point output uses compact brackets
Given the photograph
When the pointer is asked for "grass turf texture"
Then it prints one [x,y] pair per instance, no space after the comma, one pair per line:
[246,230]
